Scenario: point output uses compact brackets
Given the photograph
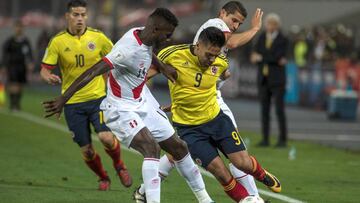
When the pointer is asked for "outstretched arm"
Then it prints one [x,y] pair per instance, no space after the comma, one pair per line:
[55,106]
[239,39]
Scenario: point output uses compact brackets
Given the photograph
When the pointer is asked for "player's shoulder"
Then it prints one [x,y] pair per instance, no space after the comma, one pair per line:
[95,31]
[222,59]
[170,50]
[58,36]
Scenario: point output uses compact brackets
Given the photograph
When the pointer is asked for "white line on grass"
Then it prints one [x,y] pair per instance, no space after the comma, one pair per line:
[63,128]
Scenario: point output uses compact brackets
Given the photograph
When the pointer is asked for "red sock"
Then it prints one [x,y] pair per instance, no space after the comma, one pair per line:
[258,172]
[235,190]
[114,153]
[96,166]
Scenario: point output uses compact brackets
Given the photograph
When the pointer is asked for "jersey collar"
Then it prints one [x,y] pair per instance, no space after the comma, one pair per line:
[68,31]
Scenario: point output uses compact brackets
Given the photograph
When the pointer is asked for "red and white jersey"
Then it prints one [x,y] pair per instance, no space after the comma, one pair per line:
[130,60]
[214,22]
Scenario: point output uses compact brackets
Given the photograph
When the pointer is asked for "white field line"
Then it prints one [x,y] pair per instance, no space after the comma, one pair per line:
[51,124]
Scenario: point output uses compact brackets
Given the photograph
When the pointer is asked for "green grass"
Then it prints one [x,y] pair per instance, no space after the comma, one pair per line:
[42,164]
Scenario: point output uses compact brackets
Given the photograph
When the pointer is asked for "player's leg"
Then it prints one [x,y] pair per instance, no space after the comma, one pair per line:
[164,133]
[79,125]
[205,153]
[244,179]
[232,145]
[130,129]
[111,144]
[186,166]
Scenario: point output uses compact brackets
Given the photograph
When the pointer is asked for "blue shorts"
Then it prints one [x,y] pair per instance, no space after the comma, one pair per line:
[204,140]
[79,116]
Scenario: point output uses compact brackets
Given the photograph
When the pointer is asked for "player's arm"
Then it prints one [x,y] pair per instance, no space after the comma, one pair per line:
[239,39]
[167,70]
[49,63]
[55,106]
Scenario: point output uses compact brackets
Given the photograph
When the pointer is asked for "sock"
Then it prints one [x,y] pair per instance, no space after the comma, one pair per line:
[115,154]
[165,167]
[258,172]
[150,174]
[236,191]
[190,171]
[95,165]
[245,180]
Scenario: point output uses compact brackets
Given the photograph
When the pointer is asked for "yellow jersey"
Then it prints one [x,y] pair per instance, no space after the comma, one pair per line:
[193,96]
[74,56]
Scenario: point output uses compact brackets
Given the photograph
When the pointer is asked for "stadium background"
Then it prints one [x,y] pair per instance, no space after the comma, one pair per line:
[311,79]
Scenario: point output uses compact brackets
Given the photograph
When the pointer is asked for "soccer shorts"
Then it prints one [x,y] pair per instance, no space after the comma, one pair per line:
[204,140]
[224,107]
[79,116]
[125,120]
[149,97]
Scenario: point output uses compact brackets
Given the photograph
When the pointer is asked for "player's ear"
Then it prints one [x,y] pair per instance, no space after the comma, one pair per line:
[222,13]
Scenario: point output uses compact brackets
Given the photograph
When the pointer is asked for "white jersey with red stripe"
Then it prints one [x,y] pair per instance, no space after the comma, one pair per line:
[126,109]
[130,60]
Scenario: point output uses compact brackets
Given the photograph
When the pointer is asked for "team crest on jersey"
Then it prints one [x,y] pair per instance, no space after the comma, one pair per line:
[91,46]
[214,70]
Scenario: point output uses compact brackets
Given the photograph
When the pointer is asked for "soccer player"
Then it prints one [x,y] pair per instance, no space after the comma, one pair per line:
[128,114]
[197,116]
[231,16]
[75,51]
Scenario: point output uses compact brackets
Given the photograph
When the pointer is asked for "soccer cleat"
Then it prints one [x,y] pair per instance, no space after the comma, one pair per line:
[104,184]
[124,175]
[272,182]
[138,197]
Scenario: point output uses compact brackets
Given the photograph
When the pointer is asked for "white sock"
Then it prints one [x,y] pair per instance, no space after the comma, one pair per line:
[150,174]
[190,171]
[244,179]
[165,166]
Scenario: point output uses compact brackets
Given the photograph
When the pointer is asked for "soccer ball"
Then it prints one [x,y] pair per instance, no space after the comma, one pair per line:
[252,199]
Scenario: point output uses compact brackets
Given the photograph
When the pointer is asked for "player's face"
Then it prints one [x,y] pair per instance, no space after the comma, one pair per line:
[18,30]
[207,53]
[163,34]
[77,17]
[233,21]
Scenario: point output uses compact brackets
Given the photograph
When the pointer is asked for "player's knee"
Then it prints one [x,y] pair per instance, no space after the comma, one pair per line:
[106,138]
[181,150]
[243,163]
[88,152]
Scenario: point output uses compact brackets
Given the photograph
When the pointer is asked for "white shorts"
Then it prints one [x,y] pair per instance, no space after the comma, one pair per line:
[125,120]
[225,108]
[149,97]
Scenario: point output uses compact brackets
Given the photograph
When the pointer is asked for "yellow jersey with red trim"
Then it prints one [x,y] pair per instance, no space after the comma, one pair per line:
[193,96]
[74,55]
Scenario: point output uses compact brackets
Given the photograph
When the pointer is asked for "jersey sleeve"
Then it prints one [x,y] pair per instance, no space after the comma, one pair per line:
[118,56]
[106,45]
[51,54]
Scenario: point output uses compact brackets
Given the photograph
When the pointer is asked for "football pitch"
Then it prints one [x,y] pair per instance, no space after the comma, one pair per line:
[40,163]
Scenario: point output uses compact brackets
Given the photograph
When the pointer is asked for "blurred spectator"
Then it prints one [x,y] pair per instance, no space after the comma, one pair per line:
[18,61]
[269,54]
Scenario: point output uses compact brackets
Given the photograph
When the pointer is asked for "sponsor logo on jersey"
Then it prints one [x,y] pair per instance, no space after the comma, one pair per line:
[91,46]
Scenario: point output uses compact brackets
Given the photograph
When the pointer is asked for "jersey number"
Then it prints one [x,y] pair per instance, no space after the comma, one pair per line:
[141,73]
[236,137]
[198,78]
[80,60]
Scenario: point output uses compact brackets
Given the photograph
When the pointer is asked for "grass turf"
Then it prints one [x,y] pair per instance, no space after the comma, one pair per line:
[42,164]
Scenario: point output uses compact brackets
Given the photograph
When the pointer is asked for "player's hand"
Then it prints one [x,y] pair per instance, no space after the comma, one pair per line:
[255,57]
[256,21]
[54,106]
[166,108]
[53,79]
